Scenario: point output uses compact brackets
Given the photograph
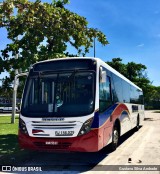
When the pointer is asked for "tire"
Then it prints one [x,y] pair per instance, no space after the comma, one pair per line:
[137,125]
[1,110]
[115,138]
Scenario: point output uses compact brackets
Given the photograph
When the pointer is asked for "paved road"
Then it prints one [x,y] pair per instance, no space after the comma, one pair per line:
[142,148]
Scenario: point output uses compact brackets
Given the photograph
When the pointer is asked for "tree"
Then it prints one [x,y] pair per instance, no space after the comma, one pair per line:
[156,94]
[135,71]
[153,98]
[117,64]
[131,70]
[6,89]
[44,31]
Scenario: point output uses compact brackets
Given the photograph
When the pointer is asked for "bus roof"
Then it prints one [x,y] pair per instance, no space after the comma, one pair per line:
[101,62]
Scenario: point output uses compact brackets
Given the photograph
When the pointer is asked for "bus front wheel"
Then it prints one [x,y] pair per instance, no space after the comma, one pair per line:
[115,138]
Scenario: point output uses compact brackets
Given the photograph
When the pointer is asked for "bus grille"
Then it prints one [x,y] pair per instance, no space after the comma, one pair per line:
[61,145]
[52,125]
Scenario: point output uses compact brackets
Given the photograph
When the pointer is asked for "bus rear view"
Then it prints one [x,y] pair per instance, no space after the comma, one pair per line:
[58,106]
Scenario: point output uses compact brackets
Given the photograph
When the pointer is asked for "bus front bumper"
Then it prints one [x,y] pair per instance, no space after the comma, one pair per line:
[83,143]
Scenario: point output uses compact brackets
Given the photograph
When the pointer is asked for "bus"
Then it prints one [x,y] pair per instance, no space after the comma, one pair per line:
[77,104]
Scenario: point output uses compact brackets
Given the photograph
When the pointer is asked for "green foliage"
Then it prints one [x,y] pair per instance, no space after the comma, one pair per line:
[137,74]
[9,149]
[153,97]
[8,135]
[40,31]
[117,64]
[131,70]
[6,88]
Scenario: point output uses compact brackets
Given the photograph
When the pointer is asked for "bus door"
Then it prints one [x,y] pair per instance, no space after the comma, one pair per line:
[105,102]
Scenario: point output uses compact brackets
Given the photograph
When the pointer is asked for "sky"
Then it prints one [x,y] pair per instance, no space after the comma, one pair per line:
[131,27]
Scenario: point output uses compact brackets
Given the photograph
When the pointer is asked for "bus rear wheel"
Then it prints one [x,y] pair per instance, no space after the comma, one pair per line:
[115,138]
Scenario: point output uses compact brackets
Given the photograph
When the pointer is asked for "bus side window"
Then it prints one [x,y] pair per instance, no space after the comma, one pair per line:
[105,96]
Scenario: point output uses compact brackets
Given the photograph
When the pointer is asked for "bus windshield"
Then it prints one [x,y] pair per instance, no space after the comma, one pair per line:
[59,94]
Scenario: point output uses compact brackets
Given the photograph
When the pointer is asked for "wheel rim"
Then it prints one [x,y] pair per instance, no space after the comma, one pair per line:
[115,137]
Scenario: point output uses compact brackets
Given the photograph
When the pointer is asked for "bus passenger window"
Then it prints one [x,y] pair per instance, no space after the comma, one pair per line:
[105,96]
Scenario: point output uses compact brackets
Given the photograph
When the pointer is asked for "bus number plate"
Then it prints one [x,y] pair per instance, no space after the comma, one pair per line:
[64,133]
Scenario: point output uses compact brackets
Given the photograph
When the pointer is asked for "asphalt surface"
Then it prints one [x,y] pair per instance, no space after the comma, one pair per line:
[136,148]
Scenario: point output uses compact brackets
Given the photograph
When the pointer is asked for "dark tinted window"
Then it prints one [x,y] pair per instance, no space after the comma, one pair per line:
[59,94]
[134,95]
[117,82]
[87,64]
[126,93]
[140,100]
[105,98]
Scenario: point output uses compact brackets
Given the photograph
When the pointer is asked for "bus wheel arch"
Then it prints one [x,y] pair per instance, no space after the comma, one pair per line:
[115,134]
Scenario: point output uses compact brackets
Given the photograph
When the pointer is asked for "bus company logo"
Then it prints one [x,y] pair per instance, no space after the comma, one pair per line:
[6,169]
[52,119]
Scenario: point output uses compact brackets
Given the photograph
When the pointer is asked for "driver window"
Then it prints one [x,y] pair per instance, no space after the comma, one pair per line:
[105,96]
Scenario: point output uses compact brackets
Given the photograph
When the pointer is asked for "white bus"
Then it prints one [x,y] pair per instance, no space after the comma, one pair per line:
[77,104]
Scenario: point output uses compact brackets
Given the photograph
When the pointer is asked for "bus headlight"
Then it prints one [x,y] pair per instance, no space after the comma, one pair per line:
[22,126]
[86,127]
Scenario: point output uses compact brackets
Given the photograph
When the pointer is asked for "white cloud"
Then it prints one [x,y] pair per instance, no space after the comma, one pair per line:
[140,45]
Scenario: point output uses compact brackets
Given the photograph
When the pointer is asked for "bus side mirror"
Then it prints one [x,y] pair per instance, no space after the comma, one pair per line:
[102,76]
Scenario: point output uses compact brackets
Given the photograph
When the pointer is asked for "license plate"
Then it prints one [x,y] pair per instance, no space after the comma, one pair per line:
[64,133]
[51,143]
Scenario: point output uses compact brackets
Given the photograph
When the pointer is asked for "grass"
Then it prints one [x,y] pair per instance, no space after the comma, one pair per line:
[9,149]
[8,135]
